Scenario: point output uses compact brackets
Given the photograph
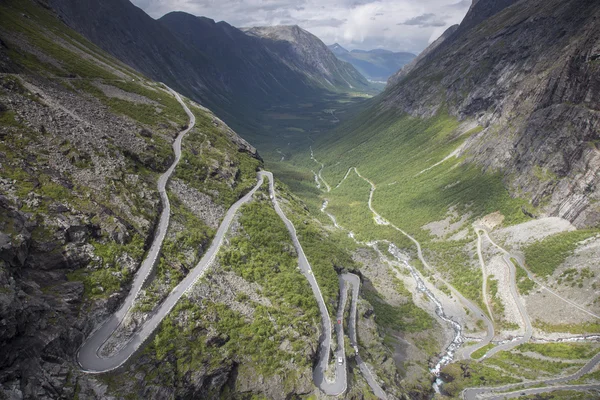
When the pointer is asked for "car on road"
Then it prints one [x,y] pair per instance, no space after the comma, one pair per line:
[340,360]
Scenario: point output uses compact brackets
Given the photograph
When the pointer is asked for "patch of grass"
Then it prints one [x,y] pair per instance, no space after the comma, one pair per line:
[111,274]
[168,111]
[568,351]
[33,26]
[524,284]
[266,255]
[482,351]
[528,367]
[545,256]
[495,302]
[579,329]
[451,258]
[404,318]
[472,374]
[7,119]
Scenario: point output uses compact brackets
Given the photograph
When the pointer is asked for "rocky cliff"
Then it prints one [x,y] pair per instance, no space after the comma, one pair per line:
[83,139]
[236,76]
[305,53]
[406,69]
[528,73]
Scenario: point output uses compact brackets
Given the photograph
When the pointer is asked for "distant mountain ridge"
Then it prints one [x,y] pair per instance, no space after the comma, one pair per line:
[305,53]
[234,74]
[527,74]
[377,64]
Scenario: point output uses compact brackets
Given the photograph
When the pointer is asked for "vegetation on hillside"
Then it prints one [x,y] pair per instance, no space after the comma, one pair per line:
[261,252]
[545,256]
[398,153]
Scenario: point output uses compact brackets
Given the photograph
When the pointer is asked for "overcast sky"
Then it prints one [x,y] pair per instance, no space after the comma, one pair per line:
[397,25]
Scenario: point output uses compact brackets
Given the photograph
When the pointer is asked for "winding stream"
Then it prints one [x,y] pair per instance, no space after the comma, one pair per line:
[450,351]
[457,341]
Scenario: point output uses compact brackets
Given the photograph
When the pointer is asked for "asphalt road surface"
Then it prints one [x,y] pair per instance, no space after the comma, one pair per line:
[340,382]
[506,257]
[354,281]
[88,355]
[484,392]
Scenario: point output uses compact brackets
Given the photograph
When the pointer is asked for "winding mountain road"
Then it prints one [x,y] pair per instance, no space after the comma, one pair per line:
[354,281]
[477,312]
[484,275]
[531,276]
[506,257]
[89,356]
[457,342]
[488,392]
[319,176]
[339,385]
[484,392]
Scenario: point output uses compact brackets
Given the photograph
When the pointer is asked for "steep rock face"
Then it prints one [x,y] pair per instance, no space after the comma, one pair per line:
[245,65]
[213,63]
[405,70]
[82,142]
[304,52]
[482,10]
[529,74]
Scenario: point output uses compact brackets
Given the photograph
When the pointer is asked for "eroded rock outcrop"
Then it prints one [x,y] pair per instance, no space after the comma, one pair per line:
[528,73]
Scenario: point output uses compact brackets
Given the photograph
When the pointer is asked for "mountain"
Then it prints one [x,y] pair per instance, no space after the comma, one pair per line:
[496,127]
[214,63]
[305,53]
[526,74]
[536,84]
[84,139]
[406,69]
[337,49]
[247,70]
[90,151]
[481,162]
[377,65]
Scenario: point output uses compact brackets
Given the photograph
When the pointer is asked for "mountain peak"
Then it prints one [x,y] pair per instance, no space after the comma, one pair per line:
[301,47]
[288,33]
[337,49]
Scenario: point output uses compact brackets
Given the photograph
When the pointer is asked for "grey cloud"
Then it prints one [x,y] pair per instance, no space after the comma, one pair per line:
[329,22]
[352,23]
[462,4]
[425,20]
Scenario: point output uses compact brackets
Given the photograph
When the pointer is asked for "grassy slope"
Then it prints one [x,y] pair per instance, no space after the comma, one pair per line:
[204,149]
[261,253]
[62,56]
[391,150]
[545,256]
